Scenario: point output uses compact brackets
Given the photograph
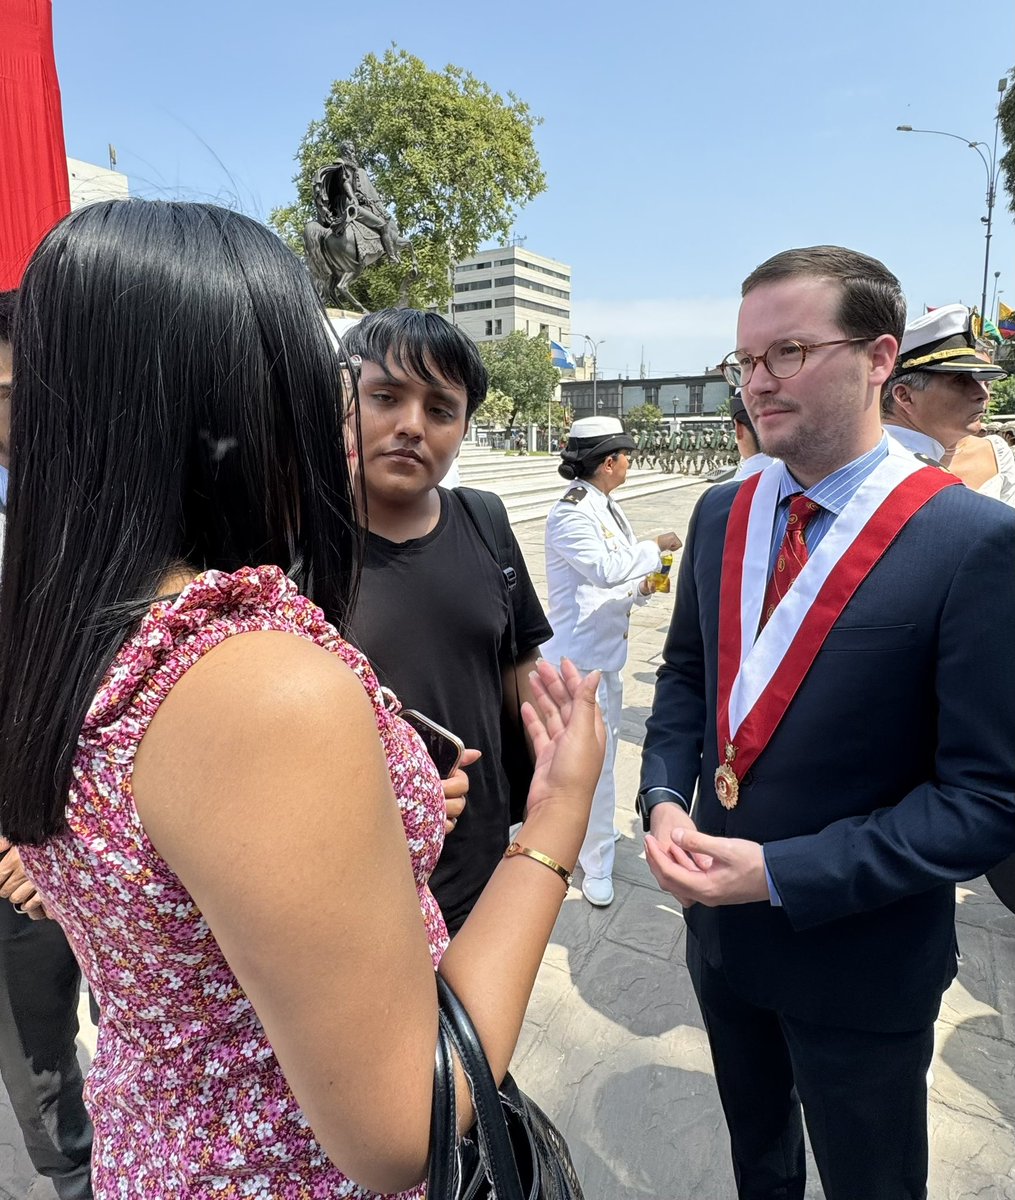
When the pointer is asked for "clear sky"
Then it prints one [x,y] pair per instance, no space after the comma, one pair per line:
[683,143]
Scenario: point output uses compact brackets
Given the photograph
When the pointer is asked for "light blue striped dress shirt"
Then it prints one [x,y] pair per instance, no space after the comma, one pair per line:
[832,494]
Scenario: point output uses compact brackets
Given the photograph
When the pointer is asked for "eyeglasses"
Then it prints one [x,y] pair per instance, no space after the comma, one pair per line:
[353,364]
[783,359]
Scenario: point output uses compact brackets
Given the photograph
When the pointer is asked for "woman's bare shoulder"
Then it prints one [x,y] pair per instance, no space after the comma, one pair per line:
[267,696]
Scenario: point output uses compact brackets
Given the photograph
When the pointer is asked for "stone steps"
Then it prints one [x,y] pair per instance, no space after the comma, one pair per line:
[529,484]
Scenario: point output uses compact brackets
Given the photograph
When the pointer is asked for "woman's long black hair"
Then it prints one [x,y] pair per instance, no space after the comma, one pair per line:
[176,400]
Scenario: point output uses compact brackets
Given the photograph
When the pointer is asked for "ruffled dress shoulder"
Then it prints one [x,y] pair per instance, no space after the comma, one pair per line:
[185,1092]
[1002,485]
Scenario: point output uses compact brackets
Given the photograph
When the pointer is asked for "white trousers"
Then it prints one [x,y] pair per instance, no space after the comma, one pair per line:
[596,857]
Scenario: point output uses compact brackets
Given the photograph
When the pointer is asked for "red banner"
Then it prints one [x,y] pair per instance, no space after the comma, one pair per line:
[34,188]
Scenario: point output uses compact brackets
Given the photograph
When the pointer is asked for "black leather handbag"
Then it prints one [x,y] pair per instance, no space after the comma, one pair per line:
[514,1151]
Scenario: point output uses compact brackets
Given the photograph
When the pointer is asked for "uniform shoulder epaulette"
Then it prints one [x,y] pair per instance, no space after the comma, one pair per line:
[930,462]
[575,495]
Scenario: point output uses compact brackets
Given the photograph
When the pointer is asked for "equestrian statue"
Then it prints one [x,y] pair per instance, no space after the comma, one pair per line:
[351,230]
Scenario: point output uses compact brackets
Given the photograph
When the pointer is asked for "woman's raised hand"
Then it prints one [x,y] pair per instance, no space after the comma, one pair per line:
[568,737]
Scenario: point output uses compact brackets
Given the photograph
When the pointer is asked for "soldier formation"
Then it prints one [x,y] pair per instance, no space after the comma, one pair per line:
[692,448]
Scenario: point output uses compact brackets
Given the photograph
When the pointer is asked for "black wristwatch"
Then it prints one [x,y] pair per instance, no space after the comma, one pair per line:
[648,798]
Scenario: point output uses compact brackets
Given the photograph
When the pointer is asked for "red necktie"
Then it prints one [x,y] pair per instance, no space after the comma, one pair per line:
[792,553]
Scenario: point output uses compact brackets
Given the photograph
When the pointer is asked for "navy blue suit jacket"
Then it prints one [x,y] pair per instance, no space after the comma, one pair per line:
[890,778]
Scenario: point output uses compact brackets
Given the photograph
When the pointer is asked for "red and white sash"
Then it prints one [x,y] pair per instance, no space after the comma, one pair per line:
[758,677]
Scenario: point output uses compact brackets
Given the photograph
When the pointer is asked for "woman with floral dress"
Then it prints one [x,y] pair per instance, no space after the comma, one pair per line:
[210,791]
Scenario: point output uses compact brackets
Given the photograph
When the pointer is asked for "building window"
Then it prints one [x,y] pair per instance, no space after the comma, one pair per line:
[472,287]
[545,329]
[696,402]
[489,328]
[476,304]
[652,395]
[473,267]
[531,266]
[498,325]
[531,305]
[518,281]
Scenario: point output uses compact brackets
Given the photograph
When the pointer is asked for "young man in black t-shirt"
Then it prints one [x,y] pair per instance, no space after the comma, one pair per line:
[432,614]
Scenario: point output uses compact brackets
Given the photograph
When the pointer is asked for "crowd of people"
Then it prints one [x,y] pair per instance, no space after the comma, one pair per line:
[230,567]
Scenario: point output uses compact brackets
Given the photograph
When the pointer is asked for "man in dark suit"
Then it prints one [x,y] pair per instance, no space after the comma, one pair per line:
[850,767]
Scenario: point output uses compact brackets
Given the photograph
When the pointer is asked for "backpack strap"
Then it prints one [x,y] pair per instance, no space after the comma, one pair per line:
[487,513]
[489,516]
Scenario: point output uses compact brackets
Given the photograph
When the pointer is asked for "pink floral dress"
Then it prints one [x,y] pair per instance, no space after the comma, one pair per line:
[186,1095]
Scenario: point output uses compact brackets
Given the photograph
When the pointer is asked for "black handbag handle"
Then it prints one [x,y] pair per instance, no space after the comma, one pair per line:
[442,1179]
[499,1157]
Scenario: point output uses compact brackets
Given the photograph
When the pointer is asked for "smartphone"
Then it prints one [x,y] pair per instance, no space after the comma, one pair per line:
[441,744]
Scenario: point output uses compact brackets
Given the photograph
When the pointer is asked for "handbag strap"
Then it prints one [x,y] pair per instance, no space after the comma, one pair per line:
[442,1180]
[491,1124]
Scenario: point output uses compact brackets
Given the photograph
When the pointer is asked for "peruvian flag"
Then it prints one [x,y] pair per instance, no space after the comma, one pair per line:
[34,187]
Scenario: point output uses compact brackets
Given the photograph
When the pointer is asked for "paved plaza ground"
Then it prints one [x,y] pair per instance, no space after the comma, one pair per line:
[613,1046]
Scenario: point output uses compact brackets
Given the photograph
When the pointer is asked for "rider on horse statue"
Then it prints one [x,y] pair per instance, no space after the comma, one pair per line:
[352,228]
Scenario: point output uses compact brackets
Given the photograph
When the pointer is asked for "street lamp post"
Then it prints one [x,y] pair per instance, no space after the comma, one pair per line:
[595,364]
[991,169]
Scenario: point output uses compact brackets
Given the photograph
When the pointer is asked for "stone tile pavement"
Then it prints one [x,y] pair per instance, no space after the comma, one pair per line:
[613,1045]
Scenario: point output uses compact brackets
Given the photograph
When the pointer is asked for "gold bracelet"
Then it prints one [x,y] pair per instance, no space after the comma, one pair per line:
[563,872]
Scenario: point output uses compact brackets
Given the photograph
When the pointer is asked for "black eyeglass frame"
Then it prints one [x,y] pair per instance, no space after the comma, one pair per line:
[741,378]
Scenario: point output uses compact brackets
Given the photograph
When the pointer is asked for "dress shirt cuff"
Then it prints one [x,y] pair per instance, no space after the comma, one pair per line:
[649,797]
[773,891]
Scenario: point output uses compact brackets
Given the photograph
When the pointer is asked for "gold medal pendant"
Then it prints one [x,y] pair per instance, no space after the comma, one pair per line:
[727,786]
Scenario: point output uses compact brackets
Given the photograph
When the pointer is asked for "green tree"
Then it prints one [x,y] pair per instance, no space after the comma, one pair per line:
[643,416]
[520,367]
[1002,396]
[495,410]
[454,158]
[1008,135]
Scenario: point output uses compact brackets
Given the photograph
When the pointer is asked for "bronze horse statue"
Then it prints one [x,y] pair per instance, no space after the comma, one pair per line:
[350,232]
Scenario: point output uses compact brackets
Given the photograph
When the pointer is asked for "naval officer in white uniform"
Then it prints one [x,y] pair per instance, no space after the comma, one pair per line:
[938,391]
[595,572]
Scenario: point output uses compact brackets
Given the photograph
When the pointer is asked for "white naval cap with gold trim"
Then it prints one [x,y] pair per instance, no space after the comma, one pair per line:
[942,341]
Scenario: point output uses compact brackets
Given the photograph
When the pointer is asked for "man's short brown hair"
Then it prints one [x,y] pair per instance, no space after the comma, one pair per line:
[872,302]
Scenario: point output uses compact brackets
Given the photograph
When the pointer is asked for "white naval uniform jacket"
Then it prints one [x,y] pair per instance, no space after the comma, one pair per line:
[594,565]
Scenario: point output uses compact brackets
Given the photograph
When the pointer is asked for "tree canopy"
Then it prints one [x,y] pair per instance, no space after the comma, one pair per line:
[519,367]
[1002,396]
[1008,134]
[648,415]
[495,410]
[454,159]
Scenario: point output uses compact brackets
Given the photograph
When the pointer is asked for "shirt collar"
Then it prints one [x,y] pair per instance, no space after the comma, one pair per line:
[594,492]
[836,490]
[753,466]
[916,442]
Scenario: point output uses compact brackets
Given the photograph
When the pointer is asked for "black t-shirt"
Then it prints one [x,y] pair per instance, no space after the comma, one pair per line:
[432,617]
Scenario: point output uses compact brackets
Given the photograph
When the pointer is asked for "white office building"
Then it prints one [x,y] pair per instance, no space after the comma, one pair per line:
[89,183]
[499,291]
